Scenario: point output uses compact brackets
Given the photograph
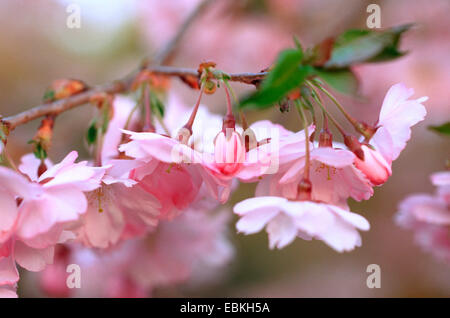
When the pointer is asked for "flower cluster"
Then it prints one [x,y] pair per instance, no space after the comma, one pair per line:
[150,194]
[429,217]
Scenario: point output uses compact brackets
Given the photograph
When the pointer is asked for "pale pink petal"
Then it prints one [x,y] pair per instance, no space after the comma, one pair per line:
[29,165]
[342,237]
[398,114]
[8,214]
[428,209]
[383,143]
[32,259]
[8,291]
[354,219]
[395,95]
[333,157]
[255,220]
[263,129]
[83,177]
[55,206]
[122,107]
[160,147]
[441,178]
[67,162]
[257,203]
[281,230]
[16,184]
[138,204]
[102,228]
[8,270]
[294,173]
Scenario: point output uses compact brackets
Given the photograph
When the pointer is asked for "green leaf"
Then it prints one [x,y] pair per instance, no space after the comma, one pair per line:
[287,74]
[343,81]
[443,129]
[157,106]
[359,46]
[39,151]
[49,96]
[92,133]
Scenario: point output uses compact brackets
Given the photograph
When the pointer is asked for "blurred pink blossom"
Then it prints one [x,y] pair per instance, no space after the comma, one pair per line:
[429,217]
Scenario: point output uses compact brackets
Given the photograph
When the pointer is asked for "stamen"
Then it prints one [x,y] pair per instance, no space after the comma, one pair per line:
[99,200]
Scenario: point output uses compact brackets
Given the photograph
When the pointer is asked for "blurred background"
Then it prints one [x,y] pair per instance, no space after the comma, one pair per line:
[37,47]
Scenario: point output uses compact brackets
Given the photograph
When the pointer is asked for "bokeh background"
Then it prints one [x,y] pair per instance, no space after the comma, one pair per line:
[36,47]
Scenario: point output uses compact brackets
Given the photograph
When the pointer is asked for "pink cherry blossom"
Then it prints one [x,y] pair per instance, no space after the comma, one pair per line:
[285,220]
[162,170]
[47,203]
[119,208]
[398,114]
[185,249]
[193,161]
[38,210]
[429,217]
[333,175]
[229,152]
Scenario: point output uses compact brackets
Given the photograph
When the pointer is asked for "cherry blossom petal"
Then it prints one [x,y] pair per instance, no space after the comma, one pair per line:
[281,231]
[8,214]
[29,165]
[122,107]
[8,291]
[32,259]
[398,114]
[8,270]
[55,206]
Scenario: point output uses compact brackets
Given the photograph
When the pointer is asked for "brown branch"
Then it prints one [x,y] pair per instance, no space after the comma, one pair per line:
[119,86]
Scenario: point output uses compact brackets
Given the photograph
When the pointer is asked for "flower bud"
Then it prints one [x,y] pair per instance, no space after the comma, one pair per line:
[229,151]
[376,168]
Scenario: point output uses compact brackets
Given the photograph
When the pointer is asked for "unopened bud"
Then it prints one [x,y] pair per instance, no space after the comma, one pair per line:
[354,146]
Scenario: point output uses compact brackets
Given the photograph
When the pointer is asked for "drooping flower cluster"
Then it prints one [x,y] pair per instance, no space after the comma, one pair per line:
[307,197]
[150,193]
[429,217]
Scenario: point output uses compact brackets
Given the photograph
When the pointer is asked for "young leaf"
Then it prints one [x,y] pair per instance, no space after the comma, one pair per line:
[343,81]
[286,75]
[443,129]
[39,151]
[157,106]
[91,135]
[358,46]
